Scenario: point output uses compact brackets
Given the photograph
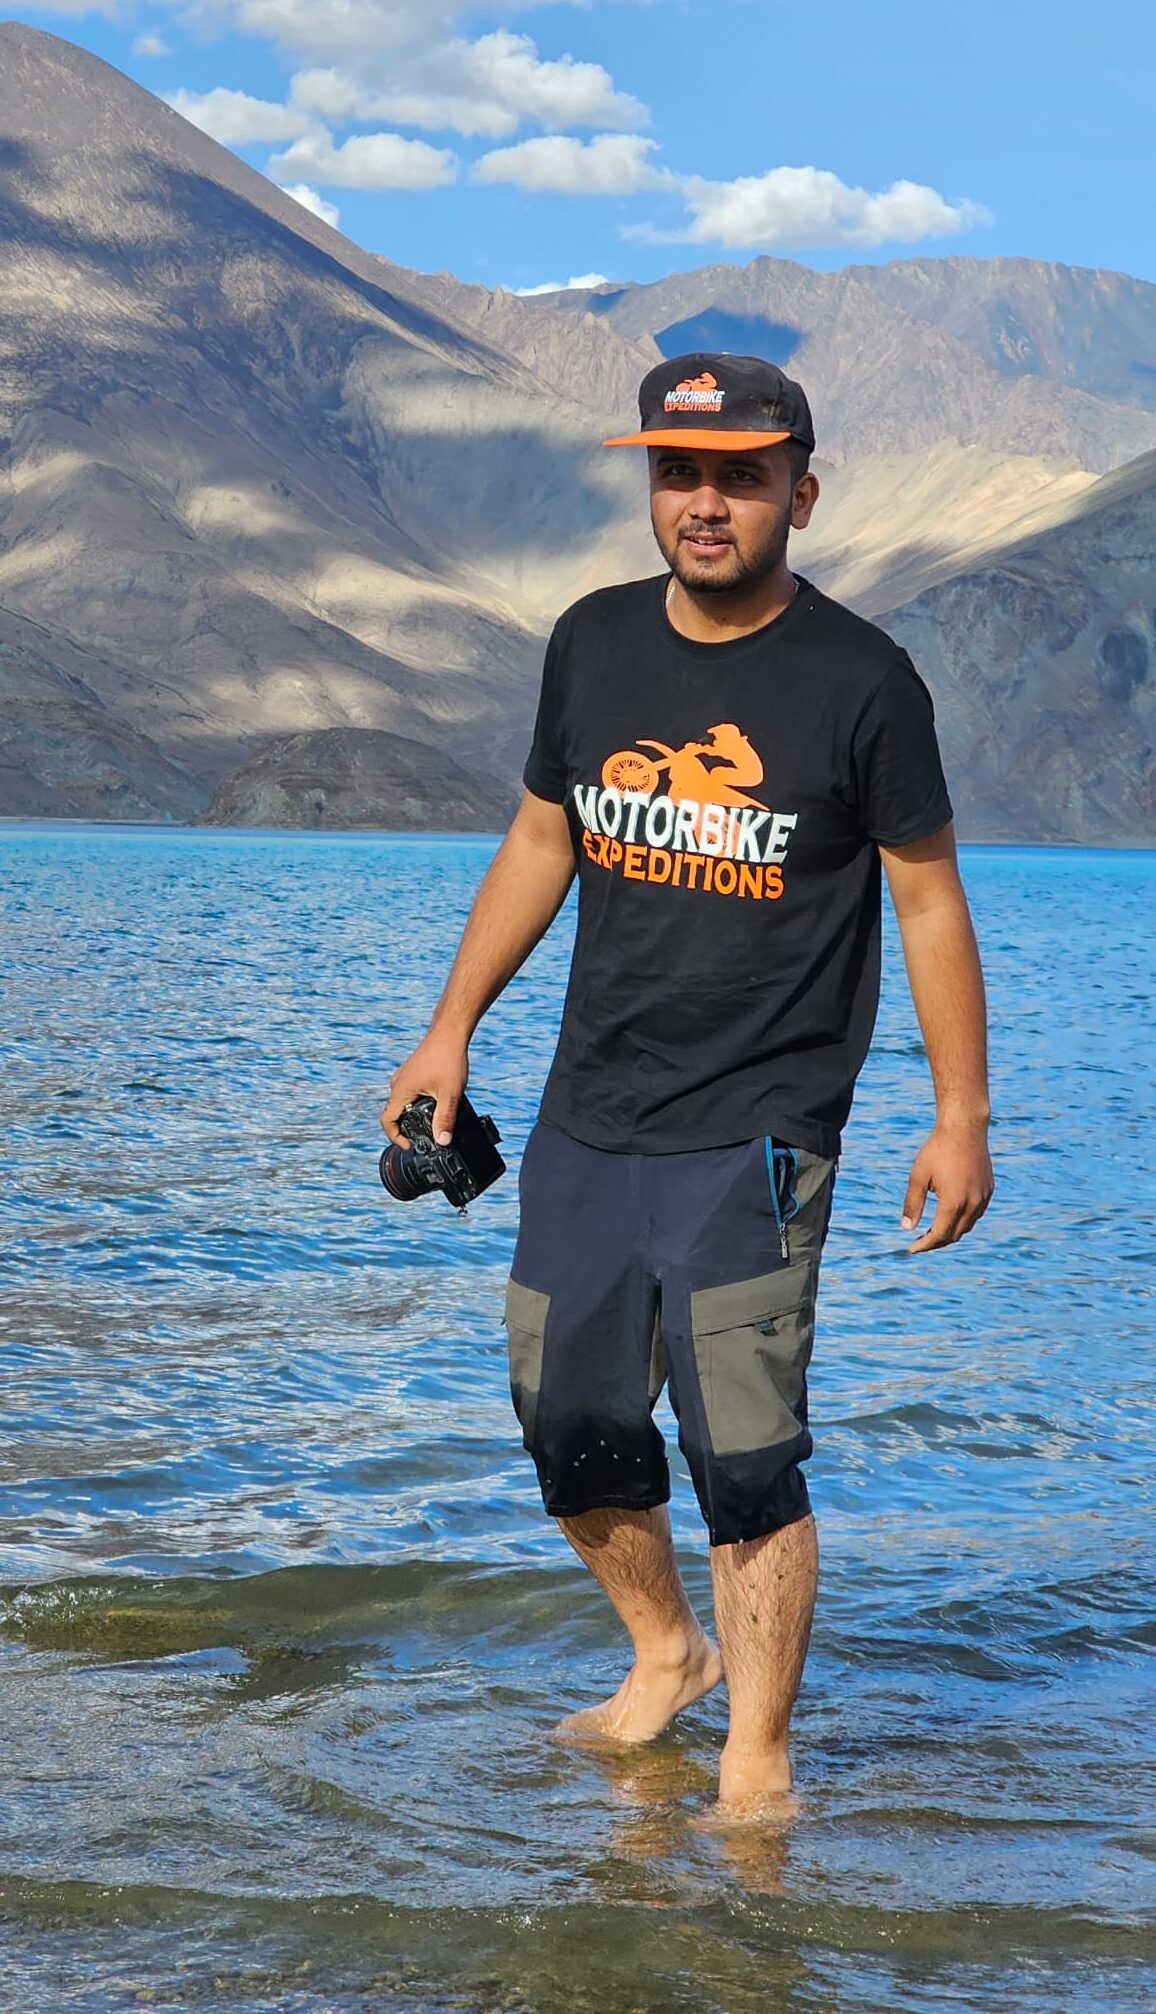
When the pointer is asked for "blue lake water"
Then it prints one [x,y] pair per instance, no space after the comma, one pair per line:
[282,1626]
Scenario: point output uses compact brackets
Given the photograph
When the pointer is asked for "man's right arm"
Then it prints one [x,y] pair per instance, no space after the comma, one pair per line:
[524,888]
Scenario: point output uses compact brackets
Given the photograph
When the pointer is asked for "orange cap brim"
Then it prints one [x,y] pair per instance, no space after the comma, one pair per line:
[696,437]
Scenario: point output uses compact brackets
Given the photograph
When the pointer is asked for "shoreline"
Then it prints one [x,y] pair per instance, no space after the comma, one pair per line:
[13,823]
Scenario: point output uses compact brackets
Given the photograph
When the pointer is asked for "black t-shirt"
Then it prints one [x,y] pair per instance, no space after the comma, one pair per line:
[726,802]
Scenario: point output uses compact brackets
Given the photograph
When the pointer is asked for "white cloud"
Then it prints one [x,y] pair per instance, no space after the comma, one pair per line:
[411,67]
[108,9]
[401,61]
[811,207]
[335,30]
[582,282]
[337,98]
[407,63]
[310,200]
[329,95]
[786,207]
[151,45]
[236,119]
[614,164]
[506,71]
[483,89]
[438,112]
[367,161]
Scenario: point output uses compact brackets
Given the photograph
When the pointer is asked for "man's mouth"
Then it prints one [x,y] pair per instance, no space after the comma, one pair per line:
[706,544]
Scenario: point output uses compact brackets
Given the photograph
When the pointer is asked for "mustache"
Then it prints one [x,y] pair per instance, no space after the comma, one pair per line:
[706,531]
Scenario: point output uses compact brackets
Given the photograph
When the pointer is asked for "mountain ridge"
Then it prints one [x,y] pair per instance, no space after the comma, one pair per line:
[857,355]
[258,484]
[213,409]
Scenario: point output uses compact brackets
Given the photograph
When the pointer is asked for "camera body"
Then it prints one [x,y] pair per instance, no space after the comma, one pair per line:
[463,1169]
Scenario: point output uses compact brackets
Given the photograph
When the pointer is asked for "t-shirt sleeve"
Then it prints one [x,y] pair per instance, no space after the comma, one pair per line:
[545,772]
[898,778]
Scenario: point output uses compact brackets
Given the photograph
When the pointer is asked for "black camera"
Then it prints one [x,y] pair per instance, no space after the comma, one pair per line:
[463,1169]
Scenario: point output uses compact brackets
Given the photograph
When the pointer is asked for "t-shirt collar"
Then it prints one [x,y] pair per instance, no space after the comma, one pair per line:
[787,617]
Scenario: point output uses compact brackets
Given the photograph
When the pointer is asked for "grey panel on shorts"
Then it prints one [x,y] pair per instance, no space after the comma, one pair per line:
[807,1227]
[752,1344]
[525,1319]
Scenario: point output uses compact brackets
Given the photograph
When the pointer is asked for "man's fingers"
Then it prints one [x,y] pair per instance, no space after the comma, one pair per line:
[947,1227]
[445,1118]
[953,1221]
[957,1171]
[913,1202]
[390,1116]
[392,1131]
[434,1072]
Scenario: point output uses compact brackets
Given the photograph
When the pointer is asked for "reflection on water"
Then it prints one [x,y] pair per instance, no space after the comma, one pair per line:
[282,1628]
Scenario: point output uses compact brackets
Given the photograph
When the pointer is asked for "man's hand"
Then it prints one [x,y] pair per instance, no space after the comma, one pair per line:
[955,1165]
[947,989]
[440,1067]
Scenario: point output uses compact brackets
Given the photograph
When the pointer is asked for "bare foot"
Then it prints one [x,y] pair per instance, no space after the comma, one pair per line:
[756,1851]
[754,1788]
[772,1810]
[650,1695]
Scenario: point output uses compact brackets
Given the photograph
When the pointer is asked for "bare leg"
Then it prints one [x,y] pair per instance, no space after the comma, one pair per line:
[764,1598]
[632,1558]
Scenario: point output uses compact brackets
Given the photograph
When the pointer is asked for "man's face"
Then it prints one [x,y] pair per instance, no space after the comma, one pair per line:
[722,520]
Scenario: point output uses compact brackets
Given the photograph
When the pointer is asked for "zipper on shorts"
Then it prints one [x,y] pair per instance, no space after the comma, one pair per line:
[776,1205]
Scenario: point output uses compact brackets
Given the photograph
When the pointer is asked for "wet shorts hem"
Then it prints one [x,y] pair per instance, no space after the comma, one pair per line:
[774,1518]
[646,1503]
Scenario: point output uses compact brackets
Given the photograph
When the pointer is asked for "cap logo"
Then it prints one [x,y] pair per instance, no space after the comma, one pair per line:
[695,395]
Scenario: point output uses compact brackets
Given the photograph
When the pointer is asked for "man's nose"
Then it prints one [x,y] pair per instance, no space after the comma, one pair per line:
[707,502]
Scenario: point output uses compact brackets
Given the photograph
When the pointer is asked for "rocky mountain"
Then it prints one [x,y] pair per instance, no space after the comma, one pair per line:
[258,488]
[888,526]
[1042,659]
[584,359]
[63,752]
[883,378]
[266,498]
[357,776]
[1069,324]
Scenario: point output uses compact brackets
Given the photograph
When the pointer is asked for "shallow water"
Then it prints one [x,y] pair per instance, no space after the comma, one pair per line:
[281,1623]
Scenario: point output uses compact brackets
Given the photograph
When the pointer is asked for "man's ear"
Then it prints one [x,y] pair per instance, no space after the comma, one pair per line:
[803,502]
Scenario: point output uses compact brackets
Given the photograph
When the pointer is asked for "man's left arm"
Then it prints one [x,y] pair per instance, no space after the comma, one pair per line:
[943,971]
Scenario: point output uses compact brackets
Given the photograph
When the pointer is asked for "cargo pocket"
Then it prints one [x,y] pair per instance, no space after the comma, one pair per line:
[525,1319]
[752,1344]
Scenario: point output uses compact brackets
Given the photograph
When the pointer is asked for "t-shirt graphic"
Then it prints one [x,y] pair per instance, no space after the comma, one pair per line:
[726,804]
[678,816]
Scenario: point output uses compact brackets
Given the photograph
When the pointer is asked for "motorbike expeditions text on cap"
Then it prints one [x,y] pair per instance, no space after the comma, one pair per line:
[723,402]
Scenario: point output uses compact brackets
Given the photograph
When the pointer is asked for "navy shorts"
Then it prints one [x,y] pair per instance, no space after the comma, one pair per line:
[699,1268]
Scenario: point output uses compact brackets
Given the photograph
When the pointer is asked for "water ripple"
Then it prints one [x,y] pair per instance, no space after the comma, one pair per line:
[281,1625]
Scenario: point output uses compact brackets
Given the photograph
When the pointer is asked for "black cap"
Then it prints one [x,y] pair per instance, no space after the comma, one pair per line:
[720,402]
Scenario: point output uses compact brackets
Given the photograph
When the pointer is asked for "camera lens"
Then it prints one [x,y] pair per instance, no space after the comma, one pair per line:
[402,1175]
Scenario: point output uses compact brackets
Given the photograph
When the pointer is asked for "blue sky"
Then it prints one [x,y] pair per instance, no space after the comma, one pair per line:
[631,138]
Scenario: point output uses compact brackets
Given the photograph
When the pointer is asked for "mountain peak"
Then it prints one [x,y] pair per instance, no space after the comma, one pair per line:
[259,483]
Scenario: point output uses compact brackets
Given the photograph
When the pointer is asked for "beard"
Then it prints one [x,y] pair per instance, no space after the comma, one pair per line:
[732,572]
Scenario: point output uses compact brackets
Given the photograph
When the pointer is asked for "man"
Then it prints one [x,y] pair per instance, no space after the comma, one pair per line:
[726,756]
